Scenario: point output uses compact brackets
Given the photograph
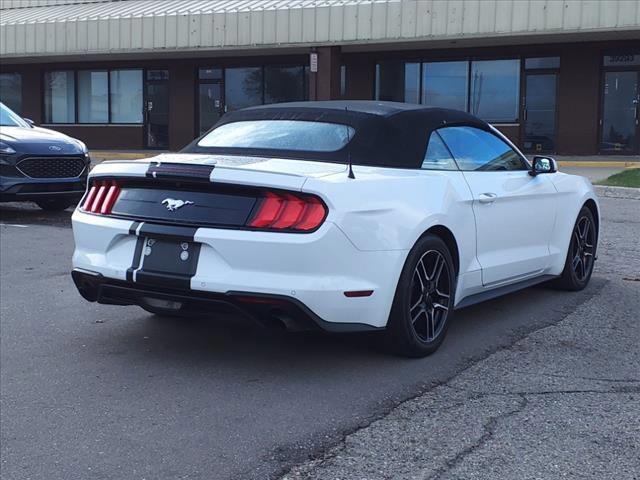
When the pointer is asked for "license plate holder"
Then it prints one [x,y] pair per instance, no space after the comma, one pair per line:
[172,257]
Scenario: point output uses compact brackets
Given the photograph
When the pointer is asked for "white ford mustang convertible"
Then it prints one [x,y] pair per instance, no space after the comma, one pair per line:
[339,216]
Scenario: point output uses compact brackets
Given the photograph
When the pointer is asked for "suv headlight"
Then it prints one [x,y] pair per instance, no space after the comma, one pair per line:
[82,146]
[6,149]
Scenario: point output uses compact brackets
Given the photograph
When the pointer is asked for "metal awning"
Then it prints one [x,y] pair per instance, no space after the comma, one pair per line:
[57,28]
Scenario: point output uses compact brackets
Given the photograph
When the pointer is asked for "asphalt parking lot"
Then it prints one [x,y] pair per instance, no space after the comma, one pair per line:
[100,392]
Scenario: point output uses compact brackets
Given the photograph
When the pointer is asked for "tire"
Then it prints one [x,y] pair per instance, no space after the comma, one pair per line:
[578,266]
[56,205]
[423,303]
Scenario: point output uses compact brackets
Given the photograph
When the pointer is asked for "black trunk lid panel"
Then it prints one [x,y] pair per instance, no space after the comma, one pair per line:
[186,205]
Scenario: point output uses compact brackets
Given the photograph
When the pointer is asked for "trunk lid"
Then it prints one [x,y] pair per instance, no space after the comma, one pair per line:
[203,190]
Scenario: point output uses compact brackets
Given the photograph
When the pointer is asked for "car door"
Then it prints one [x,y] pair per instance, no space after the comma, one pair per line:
[514,211]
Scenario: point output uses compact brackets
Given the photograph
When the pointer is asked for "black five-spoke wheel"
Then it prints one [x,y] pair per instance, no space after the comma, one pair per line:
[582,248]
[423,303]
[430,295]
[581,254]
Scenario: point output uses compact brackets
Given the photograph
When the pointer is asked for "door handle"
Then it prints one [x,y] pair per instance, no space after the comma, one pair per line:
[487,197]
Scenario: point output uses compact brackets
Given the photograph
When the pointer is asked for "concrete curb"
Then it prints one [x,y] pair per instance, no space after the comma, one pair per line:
[98,156]
[617,192]
[599,164]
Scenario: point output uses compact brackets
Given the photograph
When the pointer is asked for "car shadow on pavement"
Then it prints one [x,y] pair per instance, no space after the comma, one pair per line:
[238,343]
[27,213]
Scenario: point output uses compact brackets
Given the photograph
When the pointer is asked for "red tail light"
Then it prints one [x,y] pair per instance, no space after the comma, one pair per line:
[101,197]
[288,211]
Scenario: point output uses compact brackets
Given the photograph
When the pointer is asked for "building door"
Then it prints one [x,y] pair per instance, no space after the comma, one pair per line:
[210,102]
[620,105]
[540,112]
[157,109]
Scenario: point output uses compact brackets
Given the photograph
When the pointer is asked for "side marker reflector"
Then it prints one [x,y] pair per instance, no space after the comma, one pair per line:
[358,293]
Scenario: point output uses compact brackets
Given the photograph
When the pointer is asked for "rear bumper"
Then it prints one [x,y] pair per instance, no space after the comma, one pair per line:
[264,309]
[311,271]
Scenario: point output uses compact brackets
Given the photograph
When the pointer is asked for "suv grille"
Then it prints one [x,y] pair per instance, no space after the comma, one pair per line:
[52,167]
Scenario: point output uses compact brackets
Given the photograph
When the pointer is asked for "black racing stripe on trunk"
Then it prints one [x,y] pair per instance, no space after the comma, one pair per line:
[180,171]
[136,257]
[172,232]
[134,226]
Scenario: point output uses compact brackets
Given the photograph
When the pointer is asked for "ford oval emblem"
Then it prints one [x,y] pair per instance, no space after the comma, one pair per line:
[55,148]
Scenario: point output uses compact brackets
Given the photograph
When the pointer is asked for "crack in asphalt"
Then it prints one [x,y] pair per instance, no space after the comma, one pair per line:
[595,379]
[328,452]
[492,423]
[612,390]
[489,428]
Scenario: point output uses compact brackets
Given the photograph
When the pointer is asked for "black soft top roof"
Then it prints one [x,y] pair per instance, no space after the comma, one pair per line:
[387,134]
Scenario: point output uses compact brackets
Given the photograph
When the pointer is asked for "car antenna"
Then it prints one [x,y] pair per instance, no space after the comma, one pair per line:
[350,175]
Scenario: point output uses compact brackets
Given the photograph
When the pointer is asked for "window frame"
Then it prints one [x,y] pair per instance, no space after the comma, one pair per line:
[455,162]
[469,59]
[495,133]
[44,97]
[19,76]
[222,81]
[76,94]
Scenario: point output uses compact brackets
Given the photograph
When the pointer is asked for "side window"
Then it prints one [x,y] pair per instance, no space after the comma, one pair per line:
[437,157]
[475,149]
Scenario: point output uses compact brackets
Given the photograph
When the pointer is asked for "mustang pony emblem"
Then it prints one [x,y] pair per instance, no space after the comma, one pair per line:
[172,204]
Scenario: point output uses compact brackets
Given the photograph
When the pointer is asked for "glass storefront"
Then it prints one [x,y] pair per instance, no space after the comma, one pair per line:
[93,96]
[489,89]
[59,97]
[223,90]
[11,91]
[125,96]
[540,103]
[445,84]
[620,129]
[495,90]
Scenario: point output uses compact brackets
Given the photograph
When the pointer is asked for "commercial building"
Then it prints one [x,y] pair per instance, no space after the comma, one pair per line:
[555,76]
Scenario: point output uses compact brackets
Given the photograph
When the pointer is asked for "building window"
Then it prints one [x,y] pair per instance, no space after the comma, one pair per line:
[343,80]
[390,81]
[246,87]
[93,97]
[104,96]
[11,91]
[412,82]
[283,84]
[445,84]
[59,97]
[495,90]
[542,63]
[243,87]
[125,96]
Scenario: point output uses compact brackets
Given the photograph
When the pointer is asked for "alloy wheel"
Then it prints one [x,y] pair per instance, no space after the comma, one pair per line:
[430,297]
[582,248]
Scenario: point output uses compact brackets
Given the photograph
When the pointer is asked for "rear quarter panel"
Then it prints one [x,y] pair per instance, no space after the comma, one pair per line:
[389,209]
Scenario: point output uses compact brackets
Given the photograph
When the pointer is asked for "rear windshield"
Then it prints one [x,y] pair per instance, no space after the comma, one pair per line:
[280,135]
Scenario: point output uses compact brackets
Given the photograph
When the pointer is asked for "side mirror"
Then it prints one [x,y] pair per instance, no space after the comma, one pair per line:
[30,122]
[543,165]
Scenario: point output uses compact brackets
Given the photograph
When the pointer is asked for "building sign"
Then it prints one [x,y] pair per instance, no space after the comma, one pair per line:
[620,59]
[313,62]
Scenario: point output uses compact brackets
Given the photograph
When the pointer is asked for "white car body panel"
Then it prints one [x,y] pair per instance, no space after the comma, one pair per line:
[372,223]
[515,215]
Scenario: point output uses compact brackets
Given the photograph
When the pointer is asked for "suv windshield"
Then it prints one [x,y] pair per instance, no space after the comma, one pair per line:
[279,135]
[8,118]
